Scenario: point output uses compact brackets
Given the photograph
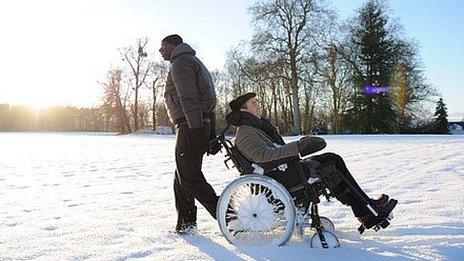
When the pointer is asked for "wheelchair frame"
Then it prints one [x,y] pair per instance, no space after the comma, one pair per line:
[304,211]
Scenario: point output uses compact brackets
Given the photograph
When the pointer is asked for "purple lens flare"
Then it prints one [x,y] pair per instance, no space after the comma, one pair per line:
[371,89]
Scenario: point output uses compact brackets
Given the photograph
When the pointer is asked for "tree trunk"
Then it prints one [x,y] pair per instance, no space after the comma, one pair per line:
[274,99]
[154,106]
[136,104]
[154,114]
[295,98]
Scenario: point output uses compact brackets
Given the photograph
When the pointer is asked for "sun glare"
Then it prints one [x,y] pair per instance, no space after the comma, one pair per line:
[38,106]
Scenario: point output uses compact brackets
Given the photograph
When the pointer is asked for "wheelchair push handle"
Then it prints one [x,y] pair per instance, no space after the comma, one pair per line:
[215,145]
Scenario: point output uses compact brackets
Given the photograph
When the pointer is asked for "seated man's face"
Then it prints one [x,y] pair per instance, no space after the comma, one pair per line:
[252,106]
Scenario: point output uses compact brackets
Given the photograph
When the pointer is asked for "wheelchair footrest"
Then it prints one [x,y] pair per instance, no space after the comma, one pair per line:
[384,223]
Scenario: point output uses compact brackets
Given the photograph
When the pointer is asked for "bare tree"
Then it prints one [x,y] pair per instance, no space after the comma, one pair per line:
[222,88]
[139,65]
[158,75]
[283,29]
[238,81]
[115,99]
[336,75]
[264,76]
[143,114]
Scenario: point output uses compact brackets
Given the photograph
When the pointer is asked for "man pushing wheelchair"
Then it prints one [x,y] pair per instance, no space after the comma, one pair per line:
[190,101]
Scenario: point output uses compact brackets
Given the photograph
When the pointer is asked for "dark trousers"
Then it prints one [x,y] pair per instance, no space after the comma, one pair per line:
[348,190]
[189,181]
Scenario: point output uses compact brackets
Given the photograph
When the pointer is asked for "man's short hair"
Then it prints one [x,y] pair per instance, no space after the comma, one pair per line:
[173,39]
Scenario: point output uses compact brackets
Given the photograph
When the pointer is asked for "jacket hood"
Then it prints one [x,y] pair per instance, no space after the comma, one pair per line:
[181,49]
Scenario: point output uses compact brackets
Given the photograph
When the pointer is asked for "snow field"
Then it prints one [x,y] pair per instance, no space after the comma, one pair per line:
[104,197]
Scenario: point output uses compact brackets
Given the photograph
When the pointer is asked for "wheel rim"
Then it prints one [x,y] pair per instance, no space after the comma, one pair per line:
[256,210]
[327,224]
[330,238]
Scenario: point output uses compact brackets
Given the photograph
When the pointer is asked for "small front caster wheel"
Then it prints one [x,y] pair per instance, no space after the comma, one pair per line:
[325,239]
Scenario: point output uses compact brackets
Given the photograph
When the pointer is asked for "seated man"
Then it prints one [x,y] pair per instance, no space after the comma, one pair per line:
[259,141]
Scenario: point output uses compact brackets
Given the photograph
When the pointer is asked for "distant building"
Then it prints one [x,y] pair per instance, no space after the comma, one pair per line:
[160,130]
[456,127]
[166,130]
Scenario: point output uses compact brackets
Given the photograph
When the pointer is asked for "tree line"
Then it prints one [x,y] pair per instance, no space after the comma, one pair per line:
[313,73]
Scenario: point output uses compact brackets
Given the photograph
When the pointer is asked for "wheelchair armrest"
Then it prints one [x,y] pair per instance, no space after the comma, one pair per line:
[275,163]
[245,166]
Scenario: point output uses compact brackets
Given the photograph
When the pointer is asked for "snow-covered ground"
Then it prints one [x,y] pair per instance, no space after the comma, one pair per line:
[104,197]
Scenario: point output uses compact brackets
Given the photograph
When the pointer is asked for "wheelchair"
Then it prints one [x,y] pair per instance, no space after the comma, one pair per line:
[255,209]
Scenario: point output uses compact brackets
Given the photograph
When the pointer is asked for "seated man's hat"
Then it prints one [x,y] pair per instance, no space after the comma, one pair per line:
[240,100]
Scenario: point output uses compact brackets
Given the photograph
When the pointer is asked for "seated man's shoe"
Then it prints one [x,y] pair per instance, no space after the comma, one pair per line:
[186,228]
[383,212]
[380,201]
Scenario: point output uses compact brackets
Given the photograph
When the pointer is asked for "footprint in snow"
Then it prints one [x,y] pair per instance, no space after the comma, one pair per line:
[50,228]
[411,201]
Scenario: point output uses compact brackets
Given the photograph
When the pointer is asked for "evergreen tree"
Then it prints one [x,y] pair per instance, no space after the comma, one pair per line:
[371,40]
[440,123]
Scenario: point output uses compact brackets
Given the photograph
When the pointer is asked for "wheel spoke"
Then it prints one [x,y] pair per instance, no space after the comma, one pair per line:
[256,211]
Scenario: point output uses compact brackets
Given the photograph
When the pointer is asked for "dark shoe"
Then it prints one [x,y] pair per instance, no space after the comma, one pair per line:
[186,218]
[186,228]
[371,220]
[380,201]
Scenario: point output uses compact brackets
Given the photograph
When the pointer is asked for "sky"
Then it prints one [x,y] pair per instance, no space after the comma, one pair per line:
[55,52]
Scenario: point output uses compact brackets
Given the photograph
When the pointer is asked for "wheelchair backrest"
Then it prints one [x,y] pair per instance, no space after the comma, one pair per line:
[243,165]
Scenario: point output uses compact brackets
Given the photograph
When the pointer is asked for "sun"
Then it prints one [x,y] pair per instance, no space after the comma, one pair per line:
[38,106]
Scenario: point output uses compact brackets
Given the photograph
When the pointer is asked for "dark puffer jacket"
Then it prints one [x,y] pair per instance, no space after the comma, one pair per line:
[189,93]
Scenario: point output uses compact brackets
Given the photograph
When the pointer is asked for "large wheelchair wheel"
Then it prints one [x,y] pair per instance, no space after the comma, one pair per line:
[256,210]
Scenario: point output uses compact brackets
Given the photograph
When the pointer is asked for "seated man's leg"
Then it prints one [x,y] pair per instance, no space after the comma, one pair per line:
[340,188]
[340,165]
[294,182]
[288,178]
[347,190]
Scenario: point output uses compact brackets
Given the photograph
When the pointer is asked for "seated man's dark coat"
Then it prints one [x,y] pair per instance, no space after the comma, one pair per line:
[260,142]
